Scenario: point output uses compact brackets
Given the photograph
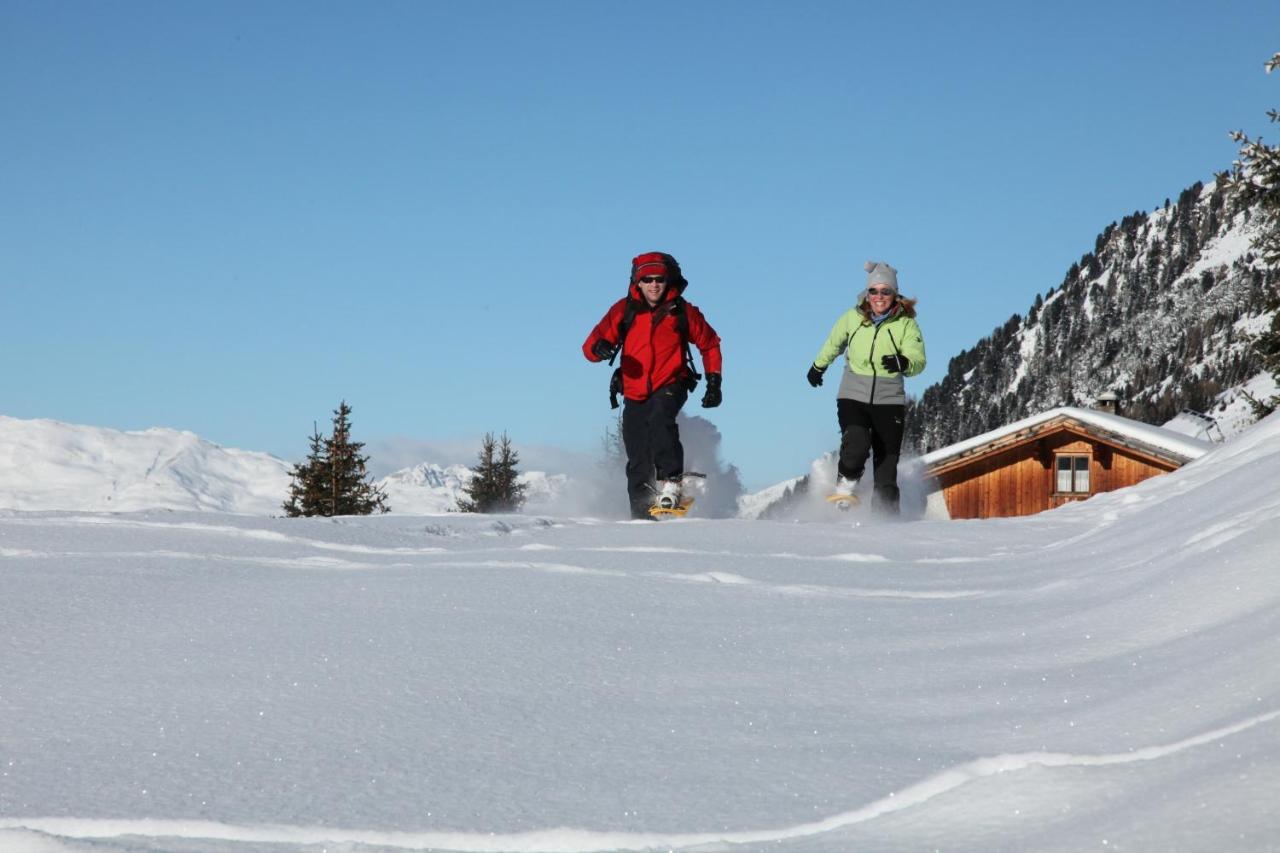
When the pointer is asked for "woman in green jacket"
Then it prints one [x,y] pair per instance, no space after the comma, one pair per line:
[882,344]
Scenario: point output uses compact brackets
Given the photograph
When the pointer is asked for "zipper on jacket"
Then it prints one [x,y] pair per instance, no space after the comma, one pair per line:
[653,352]
[875,374]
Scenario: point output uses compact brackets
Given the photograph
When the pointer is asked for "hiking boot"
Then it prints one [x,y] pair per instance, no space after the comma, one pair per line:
[668,494]
[845,486]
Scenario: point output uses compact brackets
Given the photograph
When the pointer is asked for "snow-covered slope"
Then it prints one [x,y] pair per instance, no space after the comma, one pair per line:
[51,465]
[1102,677]
[758,504]
[1160,313]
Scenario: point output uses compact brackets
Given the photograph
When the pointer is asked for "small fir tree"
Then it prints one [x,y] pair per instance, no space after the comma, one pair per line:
[511,490]
[614,450]
[350,490]
[306,491]
[494,486]
[334,478]
[480,491]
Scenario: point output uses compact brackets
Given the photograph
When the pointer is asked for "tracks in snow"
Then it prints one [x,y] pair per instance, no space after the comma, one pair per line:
[571,840]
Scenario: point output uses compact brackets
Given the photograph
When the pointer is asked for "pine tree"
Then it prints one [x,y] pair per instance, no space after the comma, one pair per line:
[480,491]
[349,490]
[334,478]
[510,489]
[306,491]
[1255,179]
[495,485]
[614,457]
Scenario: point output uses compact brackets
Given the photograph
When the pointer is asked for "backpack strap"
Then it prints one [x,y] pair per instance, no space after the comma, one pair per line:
[624,326]
[682,326]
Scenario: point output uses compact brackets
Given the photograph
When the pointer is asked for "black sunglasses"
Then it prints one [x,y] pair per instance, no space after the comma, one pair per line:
[884,291]
[653,279]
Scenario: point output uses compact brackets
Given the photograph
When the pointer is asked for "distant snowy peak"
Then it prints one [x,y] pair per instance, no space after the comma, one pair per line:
[50,465]
[429,475]
[425,489]
[428,488]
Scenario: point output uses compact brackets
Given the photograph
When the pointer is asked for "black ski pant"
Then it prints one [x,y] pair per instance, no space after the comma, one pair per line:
[652,441]
[876,431]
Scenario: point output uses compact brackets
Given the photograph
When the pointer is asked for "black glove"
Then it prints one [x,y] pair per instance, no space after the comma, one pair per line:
[895,363]
[815,375]
[712,398]
[603,350]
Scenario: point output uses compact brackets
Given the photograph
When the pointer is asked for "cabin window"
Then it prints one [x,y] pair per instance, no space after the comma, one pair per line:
[1073,475]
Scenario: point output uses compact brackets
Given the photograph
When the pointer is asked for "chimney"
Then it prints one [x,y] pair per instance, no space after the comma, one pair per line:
[1107,401]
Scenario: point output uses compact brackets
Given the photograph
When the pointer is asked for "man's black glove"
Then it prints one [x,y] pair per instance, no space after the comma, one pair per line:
[712,398]
[895,363]
[815,375]
[603,350]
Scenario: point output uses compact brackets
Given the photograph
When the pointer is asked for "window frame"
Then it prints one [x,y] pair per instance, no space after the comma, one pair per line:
[1074,492]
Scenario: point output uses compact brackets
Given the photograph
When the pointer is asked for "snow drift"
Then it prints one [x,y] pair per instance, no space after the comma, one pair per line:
[1098,677]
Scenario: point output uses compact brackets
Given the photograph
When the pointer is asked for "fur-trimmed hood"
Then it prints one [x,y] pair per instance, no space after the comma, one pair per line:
[901,305]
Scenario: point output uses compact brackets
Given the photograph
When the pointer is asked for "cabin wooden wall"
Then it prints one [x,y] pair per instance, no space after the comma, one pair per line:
[1022,479]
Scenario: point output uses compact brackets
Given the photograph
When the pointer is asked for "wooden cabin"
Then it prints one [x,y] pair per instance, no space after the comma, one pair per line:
[1042,462]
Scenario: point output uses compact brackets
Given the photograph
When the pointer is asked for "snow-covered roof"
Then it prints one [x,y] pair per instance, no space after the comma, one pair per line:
[1165,441]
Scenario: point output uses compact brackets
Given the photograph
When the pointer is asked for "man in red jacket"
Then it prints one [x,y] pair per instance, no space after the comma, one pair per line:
[652,326]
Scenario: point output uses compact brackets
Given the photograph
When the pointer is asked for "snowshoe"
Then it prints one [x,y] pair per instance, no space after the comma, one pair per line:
[669,497]
[842,496]
[843,502]
[678,511]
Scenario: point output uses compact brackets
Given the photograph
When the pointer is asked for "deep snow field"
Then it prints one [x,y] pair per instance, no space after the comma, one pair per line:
[1101,677]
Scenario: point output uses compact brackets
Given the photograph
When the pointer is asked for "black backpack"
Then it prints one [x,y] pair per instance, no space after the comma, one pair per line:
[677,280]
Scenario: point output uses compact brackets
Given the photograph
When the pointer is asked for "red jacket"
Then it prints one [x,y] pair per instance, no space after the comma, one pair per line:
[653,354]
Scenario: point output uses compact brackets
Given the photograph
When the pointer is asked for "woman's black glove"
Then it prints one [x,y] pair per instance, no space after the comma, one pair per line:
[603,350]
[815,376]
[712,397]
[895,363]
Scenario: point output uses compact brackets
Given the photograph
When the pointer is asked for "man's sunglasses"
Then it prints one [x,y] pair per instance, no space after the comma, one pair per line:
[653,279]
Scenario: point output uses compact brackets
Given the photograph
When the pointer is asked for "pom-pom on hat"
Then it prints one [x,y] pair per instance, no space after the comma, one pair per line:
[881,274]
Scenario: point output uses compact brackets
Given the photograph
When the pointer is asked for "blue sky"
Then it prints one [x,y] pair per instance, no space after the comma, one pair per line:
[226,217]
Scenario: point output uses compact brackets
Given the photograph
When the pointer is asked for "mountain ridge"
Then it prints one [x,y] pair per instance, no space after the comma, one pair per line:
[49,465]
[1158,313]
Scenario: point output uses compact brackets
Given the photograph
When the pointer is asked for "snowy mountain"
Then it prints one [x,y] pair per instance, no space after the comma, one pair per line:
[48,465]
[1102,677]
[428,489]
[759,504]
[1158,313]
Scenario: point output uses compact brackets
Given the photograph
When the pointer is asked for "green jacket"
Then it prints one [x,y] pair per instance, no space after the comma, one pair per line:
[864,345]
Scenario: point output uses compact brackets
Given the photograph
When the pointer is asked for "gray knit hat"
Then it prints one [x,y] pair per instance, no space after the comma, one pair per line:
[880,273]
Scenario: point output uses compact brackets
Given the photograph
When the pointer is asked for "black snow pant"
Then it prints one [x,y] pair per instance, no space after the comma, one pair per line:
[875,430]
[652,441]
